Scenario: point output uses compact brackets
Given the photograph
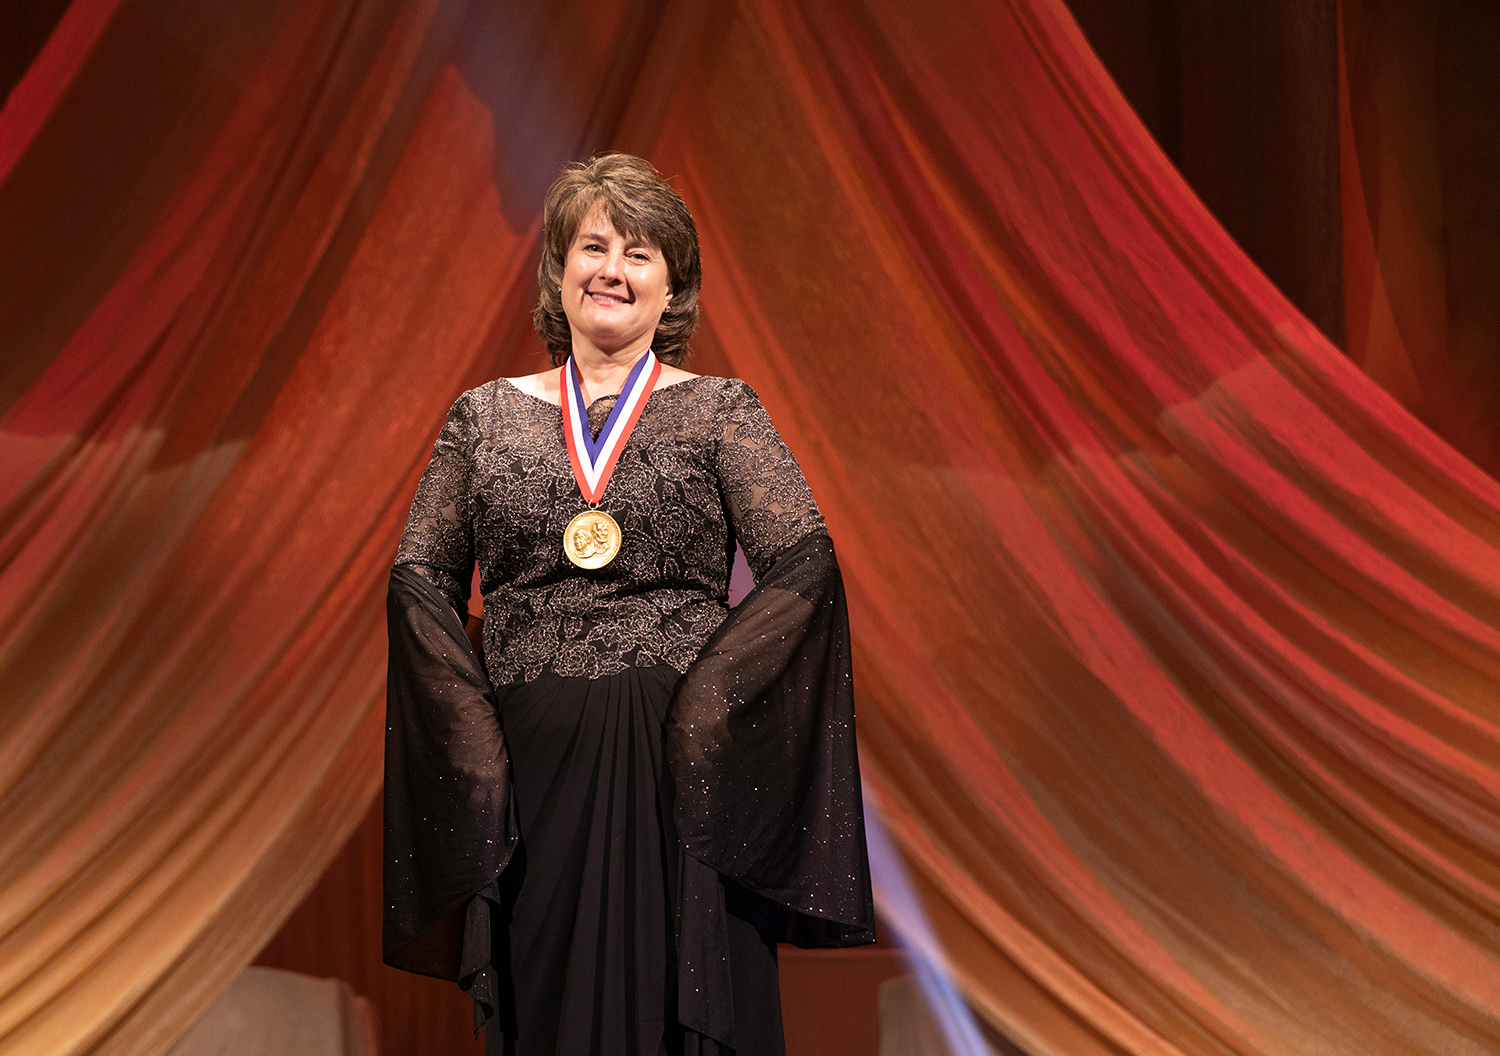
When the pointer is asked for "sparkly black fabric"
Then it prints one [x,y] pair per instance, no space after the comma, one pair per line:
[619,729]
[450,825]
[761,748]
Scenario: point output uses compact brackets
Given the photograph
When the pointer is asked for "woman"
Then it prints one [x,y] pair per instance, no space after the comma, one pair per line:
[603,828]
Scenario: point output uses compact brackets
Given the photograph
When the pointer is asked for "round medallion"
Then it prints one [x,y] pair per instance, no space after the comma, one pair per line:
[592,539]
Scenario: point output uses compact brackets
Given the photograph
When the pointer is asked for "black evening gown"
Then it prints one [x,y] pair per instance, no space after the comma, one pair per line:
[604,827]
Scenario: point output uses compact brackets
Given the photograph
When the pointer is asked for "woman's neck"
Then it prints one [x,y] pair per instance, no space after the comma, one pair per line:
[604,373]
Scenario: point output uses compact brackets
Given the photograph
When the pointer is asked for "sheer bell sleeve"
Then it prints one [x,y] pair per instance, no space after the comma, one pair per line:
[760,735]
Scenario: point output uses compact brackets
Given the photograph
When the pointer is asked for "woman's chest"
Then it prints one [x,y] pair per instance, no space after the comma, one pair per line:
[663,492]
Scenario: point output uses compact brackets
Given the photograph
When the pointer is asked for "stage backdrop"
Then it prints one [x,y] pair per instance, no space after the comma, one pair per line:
[1178,640]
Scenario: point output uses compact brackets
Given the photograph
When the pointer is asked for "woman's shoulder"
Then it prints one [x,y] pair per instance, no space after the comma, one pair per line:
[705,384]
[708,396]
[503,397]
[495,409]
[734,397]
[543,385]
[671,375]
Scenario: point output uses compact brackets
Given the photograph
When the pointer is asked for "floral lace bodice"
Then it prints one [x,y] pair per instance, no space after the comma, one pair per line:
[703,469]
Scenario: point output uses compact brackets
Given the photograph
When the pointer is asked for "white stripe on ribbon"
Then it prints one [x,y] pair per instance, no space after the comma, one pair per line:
[595,472]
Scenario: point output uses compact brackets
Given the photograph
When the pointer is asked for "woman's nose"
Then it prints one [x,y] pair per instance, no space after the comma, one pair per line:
[612,266]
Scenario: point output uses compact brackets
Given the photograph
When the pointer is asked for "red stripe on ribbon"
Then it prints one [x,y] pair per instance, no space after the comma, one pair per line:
[592,495]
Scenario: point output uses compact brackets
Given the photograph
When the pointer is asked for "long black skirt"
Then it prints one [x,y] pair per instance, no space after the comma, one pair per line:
[589,903]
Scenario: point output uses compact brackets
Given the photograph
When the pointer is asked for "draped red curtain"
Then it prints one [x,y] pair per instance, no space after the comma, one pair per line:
[1178,640]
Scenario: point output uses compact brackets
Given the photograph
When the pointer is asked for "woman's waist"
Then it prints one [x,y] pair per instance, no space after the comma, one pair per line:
[602,643]
[513,608]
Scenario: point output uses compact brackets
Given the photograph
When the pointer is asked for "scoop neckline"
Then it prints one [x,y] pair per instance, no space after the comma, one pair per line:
[614,395]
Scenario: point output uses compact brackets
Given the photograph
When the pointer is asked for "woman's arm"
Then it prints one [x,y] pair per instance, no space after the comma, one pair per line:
[449,824]
[760,735]
[439,539]
[769,504]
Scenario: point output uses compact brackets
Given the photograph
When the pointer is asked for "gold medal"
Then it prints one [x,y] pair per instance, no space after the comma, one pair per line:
[592,539]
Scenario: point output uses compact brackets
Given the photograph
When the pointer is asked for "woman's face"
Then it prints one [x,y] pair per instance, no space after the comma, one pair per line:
[614,289]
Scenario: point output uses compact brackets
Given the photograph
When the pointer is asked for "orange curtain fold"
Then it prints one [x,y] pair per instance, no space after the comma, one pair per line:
[1178,640]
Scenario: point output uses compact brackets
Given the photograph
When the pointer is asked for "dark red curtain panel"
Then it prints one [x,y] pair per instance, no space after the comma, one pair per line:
[1178,639]
[1421,158]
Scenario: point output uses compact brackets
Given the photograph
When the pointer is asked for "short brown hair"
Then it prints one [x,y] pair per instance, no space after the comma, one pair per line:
[639,203]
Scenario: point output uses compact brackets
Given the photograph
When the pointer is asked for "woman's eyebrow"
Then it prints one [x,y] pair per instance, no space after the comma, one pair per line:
[631,241]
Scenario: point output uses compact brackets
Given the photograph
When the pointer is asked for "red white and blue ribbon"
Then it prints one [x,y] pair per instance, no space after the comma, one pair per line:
[594,459]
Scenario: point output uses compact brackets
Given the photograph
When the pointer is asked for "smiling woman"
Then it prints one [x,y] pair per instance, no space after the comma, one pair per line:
[603,825]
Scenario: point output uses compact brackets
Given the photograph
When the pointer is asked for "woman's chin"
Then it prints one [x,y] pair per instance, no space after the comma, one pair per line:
[610,339]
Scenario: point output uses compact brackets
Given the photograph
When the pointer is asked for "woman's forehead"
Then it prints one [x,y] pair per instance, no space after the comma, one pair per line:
[596,223]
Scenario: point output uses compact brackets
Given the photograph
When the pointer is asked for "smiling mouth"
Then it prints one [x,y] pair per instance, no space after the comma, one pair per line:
[606,298]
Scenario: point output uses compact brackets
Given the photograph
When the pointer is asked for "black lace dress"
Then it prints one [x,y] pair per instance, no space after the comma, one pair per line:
[603,827]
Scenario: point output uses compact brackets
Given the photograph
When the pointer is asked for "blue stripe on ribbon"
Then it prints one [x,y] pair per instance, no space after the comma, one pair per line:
[591,444]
